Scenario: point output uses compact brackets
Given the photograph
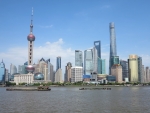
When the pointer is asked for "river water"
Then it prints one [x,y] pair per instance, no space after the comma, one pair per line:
[73,100]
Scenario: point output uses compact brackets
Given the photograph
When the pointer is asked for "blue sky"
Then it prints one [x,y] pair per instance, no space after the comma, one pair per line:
[62,26]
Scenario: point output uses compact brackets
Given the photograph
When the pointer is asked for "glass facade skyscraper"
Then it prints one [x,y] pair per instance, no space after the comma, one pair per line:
[95,59]
[99,65]
[58,63]
[114,60]
[2,72]
[113,51]
[103,66]
[97,45]
[124,65]
[88,62]
[78,58]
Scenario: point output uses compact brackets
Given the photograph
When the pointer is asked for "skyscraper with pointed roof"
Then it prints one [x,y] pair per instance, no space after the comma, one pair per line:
[113,50]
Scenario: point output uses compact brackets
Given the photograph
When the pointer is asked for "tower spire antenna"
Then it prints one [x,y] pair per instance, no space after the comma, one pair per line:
[31,26]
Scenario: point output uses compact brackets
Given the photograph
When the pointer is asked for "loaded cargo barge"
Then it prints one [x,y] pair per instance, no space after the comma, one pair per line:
[40,88]
[94,88]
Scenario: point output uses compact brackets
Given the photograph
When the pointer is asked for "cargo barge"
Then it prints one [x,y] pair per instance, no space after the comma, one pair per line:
[40,88]
[94,88]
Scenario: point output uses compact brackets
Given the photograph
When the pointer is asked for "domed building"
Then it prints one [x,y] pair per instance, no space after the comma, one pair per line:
[38,76]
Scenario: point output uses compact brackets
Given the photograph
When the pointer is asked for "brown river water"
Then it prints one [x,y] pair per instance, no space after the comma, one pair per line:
[73,100]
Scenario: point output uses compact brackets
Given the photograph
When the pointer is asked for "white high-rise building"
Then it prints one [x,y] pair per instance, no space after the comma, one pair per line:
[76,74]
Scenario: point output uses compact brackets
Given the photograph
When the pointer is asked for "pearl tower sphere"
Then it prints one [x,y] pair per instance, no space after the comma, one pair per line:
[30,39]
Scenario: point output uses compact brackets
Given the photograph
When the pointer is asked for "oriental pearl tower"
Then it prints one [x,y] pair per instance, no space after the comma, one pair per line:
[30,39]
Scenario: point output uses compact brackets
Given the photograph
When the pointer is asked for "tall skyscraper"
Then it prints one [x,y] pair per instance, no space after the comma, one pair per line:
[58,63]
[99,65]
[78,58]
[29,77]
[6,75]
[95,60]
[133,68]
[113,51]
[52,74]
[2,72]
[97,45]
[46,68]
[31,39]
[140,70]
[147,73]
[13,69]
[114,60]
[67,77]
[124,65]
[103,66]
[58,75]
[143,73]
[88,62]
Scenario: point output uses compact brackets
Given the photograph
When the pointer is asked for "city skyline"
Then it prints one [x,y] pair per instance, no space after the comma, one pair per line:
[61,34]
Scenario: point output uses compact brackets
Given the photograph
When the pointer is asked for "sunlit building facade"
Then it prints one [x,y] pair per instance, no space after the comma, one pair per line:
[58,76]
[76,74]
[133,68]
[67,77]
[116,70]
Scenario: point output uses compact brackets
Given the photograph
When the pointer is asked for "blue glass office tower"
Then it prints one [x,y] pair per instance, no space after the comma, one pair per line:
[58,63]
[103,66]
[99,65]
[2,72]
[114,60]
[97,45]
[78,58]
[113,51]
[88,62]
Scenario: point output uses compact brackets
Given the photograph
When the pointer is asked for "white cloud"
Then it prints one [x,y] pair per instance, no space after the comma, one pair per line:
[18,55]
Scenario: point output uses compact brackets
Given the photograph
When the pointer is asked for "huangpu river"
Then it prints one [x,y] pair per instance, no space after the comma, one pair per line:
[73,100]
